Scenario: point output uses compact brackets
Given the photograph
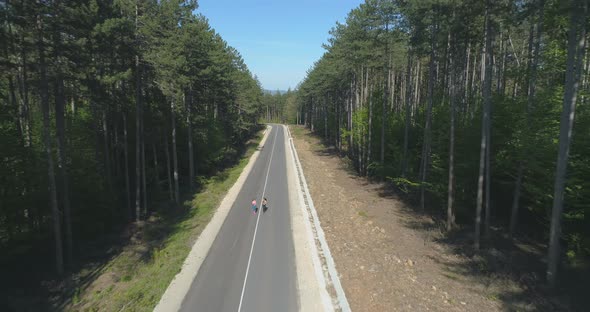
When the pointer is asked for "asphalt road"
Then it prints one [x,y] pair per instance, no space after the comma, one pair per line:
[251,264]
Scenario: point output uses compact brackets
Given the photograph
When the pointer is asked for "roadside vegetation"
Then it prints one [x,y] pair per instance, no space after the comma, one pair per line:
[111,113]
[137,277]
[475,111]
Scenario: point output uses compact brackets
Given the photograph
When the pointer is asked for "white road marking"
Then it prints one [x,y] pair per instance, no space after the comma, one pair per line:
[257,219]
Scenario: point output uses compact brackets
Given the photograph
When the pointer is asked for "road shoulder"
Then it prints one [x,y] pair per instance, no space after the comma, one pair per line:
[316,291]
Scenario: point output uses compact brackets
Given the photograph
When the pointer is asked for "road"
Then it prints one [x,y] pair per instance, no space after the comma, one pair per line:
[251,264]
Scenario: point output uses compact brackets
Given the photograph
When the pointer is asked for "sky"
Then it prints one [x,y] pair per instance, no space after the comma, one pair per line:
[279,40]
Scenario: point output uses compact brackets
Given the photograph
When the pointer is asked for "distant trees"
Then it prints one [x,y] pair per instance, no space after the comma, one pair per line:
[407,80]
[121,76]
[276,105]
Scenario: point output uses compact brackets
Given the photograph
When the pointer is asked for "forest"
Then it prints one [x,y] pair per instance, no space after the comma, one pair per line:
[468,108]
[475,111]
[110,110]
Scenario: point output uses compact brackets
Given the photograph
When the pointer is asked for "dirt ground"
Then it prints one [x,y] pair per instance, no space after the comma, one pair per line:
[389,258]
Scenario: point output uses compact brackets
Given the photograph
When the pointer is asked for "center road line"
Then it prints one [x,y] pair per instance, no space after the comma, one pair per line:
[257,220]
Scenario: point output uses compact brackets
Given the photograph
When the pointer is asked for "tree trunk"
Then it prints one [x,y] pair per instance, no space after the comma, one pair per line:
[515,200]
[585,72]
[408,107]
[451,189]
[60,103]
[156,167]
[452,101]
[417,91]
[466,75]
[311,115]
[487,88]
[174,154]
[127,184]
[444,80]
[350,124]
[370,134]
[359,106]
[13,101]
[472,86]
[138,114]
[502,57]
[9,52]
[138,135]
[107,154]
[530,58]
[44,95]
[383,118]
[143,175]
[485,126]
[363,143]
[325,110]
[426,143]
[168,169]
[116,146]
[26,107]
[488,170]
[576,47]
[339,129]
[392,101]
[386,84]
[191,163]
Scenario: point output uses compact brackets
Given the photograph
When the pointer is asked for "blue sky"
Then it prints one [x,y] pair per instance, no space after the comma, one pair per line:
[279,40]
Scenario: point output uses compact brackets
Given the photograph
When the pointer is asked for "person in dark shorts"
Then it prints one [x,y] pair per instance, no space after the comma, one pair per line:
[264,205]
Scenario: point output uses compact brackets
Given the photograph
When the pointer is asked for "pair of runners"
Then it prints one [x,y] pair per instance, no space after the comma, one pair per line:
[255,207]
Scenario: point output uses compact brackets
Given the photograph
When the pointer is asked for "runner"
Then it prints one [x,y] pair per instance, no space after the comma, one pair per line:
[254,207]
[264,206]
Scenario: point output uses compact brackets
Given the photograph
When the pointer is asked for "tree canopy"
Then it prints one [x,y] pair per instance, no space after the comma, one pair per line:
[457,104]
[109,103]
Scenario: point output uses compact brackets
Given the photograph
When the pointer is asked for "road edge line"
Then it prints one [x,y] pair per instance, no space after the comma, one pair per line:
[181,283]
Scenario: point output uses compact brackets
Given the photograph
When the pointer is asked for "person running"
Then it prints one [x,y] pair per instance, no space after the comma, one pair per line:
[254,207]
[264,206]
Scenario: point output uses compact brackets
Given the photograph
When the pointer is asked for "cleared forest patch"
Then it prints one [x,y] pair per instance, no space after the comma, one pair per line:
[392,257]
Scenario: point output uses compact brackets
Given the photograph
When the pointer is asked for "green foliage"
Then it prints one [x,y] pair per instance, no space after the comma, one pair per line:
[142,283]
[368,59]
[404,184]
[111,64]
